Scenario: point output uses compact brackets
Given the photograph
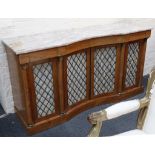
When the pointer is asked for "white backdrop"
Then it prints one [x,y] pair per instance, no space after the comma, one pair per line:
[18,27]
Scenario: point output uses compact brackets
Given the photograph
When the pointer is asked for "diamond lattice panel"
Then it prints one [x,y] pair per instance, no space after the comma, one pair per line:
[44,89]
[104,70]
[132,60]
[76,77]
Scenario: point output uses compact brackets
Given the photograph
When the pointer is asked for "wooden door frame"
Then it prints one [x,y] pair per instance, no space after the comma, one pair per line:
[66,106]
[140,62]
[117,75]
[32,89]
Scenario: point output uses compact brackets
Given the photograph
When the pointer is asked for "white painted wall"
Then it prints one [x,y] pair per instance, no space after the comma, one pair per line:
[18,27]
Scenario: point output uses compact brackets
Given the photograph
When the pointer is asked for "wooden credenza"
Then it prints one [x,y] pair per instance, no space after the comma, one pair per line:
[52,85]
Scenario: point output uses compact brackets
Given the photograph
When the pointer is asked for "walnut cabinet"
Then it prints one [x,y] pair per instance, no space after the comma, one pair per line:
[51,86]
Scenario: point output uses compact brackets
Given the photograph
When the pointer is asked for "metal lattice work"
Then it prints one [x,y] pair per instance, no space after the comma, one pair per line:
[132,60]
[104,70]
[43,81]
[76,77]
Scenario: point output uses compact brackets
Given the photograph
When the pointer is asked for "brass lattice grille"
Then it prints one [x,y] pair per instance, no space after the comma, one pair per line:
[132,60]
[76,77]
[43,81]
[104,70]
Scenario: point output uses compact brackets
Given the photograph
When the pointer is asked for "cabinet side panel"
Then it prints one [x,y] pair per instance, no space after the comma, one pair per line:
[17,86]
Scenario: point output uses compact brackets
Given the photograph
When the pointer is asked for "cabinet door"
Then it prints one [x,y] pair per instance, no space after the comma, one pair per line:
[132,65]
[43,83]
[76,77]
[104,70]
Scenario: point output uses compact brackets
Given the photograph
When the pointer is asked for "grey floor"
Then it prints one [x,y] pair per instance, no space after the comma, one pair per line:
[10,126]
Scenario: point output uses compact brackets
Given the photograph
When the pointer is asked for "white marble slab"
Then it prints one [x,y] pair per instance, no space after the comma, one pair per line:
[35,42]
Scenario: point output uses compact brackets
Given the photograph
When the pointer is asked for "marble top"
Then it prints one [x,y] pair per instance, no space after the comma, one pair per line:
[36,42]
